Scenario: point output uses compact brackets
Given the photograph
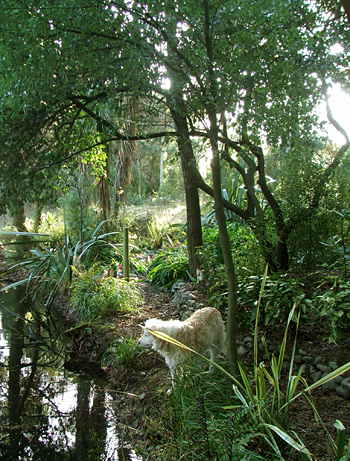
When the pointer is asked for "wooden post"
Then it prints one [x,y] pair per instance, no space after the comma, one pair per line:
[126,261]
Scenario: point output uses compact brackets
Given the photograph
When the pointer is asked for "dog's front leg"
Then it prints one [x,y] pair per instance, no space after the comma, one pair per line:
[172,373]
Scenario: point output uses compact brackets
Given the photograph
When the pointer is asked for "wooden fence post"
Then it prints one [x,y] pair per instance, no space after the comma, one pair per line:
[126,260]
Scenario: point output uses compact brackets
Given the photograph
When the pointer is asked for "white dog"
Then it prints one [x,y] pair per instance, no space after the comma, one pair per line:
[204,330]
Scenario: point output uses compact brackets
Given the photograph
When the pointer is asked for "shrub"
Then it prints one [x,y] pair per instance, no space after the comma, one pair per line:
[279,295]
[169,266]
[52,224]
[246,255]
[95,293]
[331,303]
[122,351]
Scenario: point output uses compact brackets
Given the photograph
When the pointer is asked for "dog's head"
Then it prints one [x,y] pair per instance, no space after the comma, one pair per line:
[147,339]
[158,344]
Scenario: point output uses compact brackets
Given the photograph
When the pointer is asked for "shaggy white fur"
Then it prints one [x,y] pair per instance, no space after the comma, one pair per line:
[204,330]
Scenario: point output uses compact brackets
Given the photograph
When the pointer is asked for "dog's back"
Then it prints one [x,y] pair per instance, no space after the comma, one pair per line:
[203,331]
[206,329]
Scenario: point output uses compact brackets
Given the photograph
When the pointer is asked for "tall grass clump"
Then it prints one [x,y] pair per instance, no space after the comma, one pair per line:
[94,293]
[169,266]
[49,268]
[199,427]
[121,352]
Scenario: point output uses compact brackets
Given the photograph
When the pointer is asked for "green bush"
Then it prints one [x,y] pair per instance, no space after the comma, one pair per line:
[321,298]
[246,255]
[122,351]
[279,294]
[94,293]
[53,225]
[169,266]
[331,304]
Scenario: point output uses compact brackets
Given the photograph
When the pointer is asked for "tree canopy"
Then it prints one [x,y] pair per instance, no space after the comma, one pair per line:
[245,75]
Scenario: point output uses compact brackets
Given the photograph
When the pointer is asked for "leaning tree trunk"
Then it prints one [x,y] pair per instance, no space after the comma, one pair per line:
[232,309]
[194,222]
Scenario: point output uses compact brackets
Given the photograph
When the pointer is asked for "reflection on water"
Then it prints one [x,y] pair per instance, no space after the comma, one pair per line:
[47,412]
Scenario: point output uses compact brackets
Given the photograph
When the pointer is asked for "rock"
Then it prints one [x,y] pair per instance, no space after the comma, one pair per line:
[342,392]
[324,368]
[298,358]
[316,376]
[301,352]
[308,358]
[339,380]
[345,382]
[331,384]
[248,339]
[242,351]
[333,365]
[318,359]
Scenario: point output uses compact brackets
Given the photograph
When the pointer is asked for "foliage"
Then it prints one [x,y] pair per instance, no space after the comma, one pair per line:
[343,452]
[160,233]
[331,304]
[169,266]
[198,425]
[279,294]
[53,225]
[247,258]
[321,298]
[94,293]
[248,72]
[81,213]
[50,268]
[122,351]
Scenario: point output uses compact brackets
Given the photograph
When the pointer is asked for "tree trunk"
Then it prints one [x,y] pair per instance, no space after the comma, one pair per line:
[37,217]
[19,217]
[231,328]
[194,222]
[231,324]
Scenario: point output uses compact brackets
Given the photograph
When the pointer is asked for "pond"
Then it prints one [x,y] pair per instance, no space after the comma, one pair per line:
[46,411]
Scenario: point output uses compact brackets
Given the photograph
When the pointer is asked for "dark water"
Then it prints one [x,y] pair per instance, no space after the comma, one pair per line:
[46,412]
